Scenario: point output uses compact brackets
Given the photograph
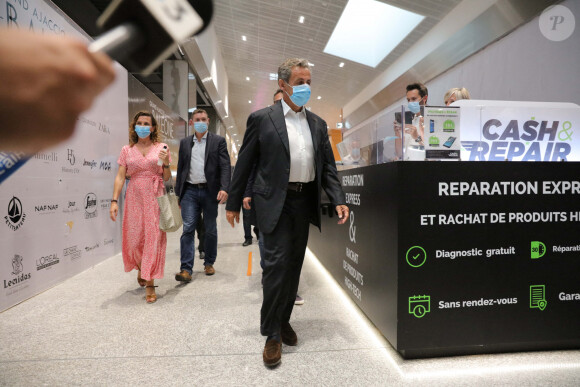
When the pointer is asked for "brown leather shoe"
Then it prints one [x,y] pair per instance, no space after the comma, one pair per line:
[288,335]
[209,270]
[184,276]
[272,353]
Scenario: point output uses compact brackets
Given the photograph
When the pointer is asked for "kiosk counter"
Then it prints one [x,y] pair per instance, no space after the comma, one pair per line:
[452,258]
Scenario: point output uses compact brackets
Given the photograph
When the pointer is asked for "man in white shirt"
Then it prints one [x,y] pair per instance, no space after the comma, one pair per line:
[293,161]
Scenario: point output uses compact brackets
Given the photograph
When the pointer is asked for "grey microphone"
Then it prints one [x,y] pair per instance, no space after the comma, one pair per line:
[142,33]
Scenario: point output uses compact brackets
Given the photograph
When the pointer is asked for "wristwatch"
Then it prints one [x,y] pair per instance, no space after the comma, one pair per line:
[418,139]
[166,166]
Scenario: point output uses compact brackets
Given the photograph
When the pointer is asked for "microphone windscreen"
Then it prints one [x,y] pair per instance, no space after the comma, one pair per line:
[204,9]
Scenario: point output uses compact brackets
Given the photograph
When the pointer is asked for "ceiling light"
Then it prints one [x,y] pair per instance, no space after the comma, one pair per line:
[319,97]
[311,64]
[249,101]
[369,30]
[341,64]
[247,78]
[244,38]
[301,19]
[273,76]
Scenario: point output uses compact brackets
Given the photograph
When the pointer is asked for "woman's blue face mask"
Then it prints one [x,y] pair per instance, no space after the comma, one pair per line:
[142,131]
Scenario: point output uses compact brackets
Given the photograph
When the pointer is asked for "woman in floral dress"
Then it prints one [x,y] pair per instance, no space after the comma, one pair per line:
[143,242]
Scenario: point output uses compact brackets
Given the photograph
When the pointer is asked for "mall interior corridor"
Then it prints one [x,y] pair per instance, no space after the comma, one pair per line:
[95,329]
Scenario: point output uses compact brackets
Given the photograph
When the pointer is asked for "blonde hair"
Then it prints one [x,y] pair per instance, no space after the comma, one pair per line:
[460,93]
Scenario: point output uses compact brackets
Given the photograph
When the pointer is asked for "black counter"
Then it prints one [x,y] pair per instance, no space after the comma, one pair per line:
[450,258]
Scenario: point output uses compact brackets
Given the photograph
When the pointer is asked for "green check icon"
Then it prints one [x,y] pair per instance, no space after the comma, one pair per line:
[416,256]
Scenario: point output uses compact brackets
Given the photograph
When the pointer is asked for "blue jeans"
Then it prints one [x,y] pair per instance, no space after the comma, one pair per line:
[193,201]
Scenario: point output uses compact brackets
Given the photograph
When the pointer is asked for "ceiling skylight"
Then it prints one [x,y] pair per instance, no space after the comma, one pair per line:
[368,31]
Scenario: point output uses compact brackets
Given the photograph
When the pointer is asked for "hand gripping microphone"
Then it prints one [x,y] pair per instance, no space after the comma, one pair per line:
[142,33]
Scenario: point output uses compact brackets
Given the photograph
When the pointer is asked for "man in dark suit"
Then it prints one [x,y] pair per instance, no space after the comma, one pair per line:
[203,177]
[293,162]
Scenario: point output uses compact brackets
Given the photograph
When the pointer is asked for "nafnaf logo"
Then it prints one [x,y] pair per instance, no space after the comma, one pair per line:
[17,272]
[90,205]
[46,208]
[16,216]
[531,140]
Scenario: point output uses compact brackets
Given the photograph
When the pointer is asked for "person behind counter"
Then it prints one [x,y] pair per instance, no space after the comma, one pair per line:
[144,243]
[455,94]
[412,142]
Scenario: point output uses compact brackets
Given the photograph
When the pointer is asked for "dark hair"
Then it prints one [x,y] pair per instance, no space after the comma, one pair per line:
[285,69]
[276,93]
[133,137]
[418,86]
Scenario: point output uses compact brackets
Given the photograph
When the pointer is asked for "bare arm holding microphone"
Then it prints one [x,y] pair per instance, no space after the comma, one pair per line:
[47,82]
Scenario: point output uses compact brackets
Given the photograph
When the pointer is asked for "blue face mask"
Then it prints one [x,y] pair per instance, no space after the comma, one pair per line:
[200,126]
[414,107]
[142,131]
[300,94]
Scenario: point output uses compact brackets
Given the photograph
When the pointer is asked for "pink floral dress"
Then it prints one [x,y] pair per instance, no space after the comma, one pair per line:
[144,243]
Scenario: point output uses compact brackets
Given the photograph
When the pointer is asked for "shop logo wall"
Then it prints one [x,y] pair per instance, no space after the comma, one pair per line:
[47,157]
[47,261]
[16,215]
[90,205]
[46,208]
[93,247]
[72,252]
[105,204]
[70,207]
[17,271]
[71,156]
[17,265]
[90,163]
[72,160]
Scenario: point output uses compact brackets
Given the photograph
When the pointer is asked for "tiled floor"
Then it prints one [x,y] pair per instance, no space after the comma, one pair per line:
[96,329]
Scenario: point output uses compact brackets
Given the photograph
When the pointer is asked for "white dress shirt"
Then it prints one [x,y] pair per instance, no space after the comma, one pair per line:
[301,148]
[197,163]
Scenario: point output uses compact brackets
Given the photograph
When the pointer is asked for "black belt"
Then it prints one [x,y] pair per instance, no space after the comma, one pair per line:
[197,185]
[298,187]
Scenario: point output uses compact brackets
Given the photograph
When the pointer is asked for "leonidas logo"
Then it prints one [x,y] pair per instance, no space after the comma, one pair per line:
[16,215]
[531,140]
[90,205]
[17,271]
[46,262]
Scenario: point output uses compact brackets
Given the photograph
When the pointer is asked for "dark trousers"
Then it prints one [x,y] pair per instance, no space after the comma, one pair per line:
[194,201]
[200,229]
[283,255]
[247,220]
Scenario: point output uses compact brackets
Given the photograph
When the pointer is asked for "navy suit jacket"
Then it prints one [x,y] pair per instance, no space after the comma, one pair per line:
[217,167]
[266,145]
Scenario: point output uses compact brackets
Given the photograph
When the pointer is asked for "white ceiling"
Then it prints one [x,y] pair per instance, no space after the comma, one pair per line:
[274,34]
